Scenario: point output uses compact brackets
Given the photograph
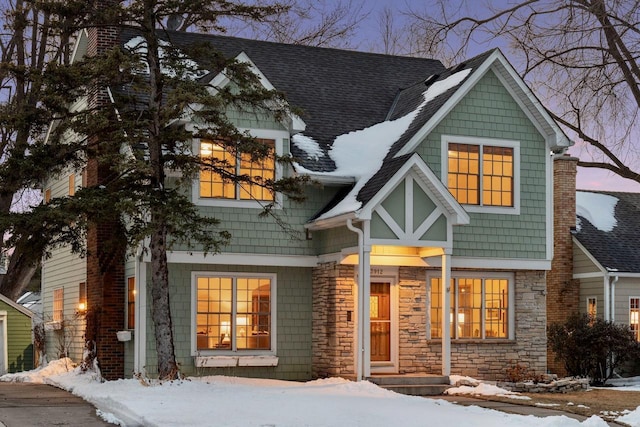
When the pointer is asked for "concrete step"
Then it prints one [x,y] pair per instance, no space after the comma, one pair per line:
[418,390]
[414,385]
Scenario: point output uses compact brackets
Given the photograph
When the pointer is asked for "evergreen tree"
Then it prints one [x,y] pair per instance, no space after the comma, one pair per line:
[153,87]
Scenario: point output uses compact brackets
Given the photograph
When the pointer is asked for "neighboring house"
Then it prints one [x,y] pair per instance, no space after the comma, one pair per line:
[436,192]
[606,257]
[16,343]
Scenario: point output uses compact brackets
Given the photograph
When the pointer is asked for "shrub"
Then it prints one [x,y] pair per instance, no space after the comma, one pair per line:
[592,348]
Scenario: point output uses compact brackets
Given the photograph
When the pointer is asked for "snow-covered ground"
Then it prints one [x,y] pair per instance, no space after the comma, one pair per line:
[233,401]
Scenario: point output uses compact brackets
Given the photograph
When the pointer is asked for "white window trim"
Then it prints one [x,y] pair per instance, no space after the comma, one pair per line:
[210,358]
[510,210]
[479,275]
[276,135]
[637,333]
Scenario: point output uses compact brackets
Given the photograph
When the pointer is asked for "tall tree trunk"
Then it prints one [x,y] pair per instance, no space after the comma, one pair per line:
[161,311]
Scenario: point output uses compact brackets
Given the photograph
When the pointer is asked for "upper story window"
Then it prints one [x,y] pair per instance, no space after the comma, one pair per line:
[215,185]
[58,305]
[483,173]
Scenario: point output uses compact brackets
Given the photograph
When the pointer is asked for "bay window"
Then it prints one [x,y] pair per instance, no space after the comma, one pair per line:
[479,307]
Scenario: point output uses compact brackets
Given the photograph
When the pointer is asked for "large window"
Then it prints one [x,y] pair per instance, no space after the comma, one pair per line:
[234,312]
[634,316]
[482,175]
[479,307]
[221,185]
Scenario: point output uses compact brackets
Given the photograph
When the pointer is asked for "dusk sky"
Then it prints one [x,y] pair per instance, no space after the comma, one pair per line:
[369,33]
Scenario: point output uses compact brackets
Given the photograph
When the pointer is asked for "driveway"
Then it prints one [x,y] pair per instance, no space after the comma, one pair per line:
[25,404]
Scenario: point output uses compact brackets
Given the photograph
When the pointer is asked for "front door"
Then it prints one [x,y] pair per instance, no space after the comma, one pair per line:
[380,311]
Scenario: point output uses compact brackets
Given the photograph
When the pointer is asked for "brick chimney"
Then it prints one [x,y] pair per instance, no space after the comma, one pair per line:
[106,252]
[563,292]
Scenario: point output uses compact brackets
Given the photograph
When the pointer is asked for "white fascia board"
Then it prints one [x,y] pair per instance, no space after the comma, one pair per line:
[530,104]
[22,309]
[462,90]
[584,250]
[554,136]
[330,179]
[185,257]
[493,263]
[295,123]
[80,46]
[333,222]
[451,206]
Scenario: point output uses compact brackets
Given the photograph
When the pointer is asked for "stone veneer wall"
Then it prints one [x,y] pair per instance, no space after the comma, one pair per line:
[333,335]
[482,359]
[333,321]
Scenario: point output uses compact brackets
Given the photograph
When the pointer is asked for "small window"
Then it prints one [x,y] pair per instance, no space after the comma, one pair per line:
[221,184]
[592,307]
[72,184]
[58,305]
[479,307]
[233,312]
[84,177]
[131,303]
[47,195]
[634,316]
[82,297]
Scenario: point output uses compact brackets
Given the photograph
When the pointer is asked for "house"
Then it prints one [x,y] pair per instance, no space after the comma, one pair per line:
[605,263]
[435,191]
[16,342]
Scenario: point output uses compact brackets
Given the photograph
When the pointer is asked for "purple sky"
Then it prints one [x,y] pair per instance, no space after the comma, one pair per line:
[588,178]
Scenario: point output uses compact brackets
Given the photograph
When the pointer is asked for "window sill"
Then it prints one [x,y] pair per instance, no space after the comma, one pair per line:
[231,361]
[231,203]
[53,325]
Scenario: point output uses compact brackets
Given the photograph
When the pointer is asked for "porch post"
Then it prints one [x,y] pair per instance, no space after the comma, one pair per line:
[446,310]
[366,299]
[140,327]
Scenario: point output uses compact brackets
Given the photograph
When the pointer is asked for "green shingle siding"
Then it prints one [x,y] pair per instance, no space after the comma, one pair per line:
[19,343]
[293,310]
[489,111]
[334,240]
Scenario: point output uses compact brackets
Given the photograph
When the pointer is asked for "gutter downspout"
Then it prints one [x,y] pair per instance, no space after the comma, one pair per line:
[360,332]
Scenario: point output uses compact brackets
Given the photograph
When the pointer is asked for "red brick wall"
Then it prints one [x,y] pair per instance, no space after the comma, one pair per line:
[563,293]
[106,256]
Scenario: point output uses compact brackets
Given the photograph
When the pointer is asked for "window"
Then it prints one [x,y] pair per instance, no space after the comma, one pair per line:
[592,307]
[131,303]
[634,316]
[481,175]
[215,185]
[72,184]
[47,195]
[58,305]
[479,307]
[234,312]
[82,297]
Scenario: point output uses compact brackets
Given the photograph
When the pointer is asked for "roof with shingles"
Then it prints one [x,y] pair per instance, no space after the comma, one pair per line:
[615,249]
[339,91]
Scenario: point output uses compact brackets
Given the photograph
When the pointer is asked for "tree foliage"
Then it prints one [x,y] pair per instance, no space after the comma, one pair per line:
[580,56]
[592,348]
[160,97]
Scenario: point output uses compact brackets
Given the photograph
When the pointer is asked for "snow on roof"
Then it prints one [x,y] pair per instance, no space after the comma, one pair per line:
[359,154]
[597,208]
